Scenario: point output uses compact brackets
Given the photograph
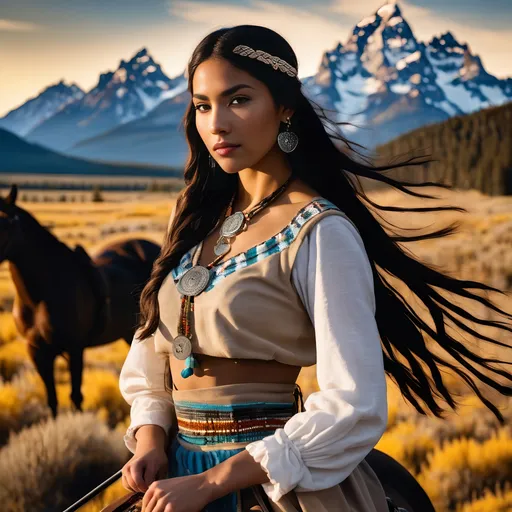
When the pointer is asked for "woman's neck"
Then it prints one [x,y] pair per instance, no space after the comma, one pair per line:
[259,181]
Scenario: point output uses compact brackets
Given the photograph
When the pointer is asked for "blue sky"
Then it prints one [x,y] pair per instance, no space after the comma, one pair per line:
[76,40]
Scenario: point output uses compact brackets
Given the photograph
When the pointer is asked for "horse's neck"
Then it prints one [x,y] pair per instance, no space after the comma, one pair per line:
[33,268]
[26,290]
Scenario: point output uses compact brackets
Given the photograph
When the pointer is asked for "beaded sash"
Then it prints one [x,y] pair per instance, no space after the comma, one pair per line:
[210,424]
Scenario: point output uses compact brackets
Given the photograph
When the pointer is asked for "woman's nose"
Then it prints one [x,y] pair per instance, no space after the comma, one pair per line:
[218,121]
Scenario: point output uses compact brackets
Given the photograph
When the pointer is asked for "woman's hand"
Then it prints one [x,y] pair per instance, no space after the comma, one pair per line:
[179,494]
[146,466]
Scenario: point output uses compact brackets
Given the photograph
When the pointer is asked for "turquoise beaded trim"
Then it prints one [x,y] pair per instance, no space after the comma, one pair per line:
[273,245]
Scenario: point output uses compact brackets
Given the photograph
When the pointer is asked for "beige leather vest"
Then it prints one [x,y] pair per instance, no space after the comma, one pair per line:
[250,308]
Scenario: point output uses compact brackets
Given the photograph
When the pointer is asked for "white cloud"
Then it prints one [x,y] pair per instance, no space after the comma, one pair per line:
[17,26]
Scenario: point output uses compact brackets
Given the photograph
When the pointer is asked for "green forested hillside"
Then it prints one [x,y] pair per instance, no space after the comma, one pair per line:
[470,152]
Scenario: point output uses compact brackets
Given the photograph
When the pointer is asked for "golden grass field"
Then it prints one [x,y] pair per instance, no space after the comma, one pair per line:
[464,461]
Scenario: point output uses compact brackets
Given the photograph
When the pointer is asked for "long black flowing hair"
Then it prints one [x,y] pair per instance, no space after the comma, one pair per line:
[335,173]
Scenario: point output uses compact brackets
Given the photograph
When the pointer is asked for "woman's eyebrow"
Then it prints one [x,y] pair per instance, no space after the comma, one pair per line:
[227,92]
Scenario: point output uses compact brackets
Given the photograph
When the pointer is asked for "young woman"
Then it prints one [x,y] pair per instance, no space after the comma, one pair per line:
[271,264]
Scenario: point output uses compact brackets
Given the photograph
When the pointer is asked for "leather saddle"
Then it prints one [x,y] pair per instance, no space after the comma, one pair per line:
[130,502]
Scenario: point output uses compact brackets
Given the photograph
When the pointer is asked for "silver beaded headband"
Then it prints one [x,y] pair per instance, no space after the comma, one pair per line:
[275,62]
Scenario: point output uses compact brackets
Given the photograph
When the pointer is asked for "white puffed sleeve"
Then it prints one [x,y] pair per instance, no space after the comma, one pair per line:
[320,447]
[142,384]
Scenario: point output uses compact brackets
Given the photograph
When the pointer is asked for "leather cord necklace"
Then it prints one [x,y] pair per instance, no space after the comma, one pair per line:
[196,279]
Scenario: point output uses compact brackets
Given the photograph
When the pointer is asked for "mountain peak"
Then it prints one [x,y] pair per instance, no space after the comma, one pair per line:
[141,59]
[389,10]
[49,101]
[382,39]
[450,40]
[143,52]
[447,43]
[62,87]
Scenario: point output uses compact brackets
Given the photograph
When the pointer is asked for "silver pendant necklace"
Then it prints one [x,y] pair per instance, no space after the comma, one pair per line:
[197,278]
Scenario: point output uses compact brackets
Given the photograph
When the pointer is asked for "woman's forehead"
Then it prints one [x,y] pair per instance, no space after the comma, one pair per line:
[214,76]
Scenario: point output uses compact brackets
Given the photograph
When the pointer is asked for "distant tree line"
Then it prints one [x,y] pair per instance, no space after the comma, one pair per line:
[41,184]
[469,152]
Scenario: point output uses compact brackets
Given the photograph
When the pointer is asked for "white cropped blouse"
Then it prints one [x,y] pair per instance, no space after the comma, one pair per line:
[320,447]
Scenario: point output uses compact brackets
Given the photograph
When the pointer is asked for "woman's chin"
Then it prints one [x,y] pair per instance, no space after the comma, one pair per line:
[231,167]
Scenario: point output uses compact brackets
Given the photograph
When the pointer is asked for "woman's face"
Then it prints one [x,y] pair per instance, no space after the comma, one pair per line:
[234,107]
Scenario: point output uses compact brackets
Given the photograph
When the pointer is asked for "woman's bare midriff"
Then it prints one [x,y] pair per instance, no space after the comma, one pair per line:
[219,371]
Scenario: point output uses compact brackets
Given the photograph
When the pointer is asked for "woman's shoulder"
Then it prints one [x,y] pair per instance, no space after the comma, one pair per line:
[331,218]
[335,220]
[332,235]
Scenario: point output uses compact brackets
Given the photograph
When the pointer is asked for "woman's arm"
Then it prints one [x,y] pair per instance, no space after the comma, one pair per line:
[151,436]
[142,385]
[320,447]
[237,472]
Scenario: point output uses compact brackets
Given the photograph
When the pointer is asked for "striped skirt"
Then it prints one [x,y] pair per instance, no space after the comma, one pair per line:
[217,423]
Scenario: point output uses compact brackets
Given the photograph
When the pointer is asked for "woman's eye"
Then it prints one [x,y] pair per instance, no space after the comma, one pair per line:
[241,98]
[238,99]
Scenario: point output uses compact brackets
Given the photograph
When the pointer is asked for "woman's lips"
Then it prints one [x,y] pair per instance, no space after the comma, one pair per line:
[226,151]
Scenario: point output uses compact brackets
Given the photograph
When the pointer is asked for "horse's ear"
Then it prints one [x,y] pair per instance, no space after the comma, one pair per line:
[13,194]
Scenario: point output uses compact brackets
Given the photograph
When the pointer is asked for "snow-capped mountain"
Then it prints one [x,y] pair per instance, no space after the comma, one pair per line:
[23,119]
[385,82]
[462,76]
[120,96]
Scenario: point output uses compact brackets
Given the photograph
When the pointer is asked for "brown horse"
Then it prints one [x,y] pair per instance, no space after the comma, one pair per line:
[66,301]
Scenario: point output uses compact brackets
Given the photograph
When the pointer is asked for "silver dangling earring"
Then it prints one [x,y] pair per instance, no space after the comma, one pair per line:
[288,140]
[213,163]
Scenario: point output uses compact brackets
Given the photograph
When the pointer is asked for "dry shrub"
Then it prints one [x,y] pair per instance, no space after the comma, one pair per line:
[22,403]
[9,412]
[100,390]
[8,331]
[13,359]
[472,420]
[48,467]
[408,445]
[23,400]
[501,501]
[463,468]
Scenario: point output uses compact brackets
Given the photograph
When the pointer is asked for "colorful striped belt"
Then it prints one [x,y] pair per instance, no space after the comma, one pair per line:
[207,424]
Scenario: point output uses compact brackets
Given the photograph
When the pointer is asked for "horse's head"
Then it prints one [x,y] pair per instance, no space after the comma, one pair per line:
[9,224]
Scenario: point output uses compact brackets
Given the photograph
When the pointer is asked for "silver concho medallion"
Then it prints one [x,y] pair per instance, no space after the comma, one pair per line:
[232,225]
[194,281]
[181,347]
[221,247]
